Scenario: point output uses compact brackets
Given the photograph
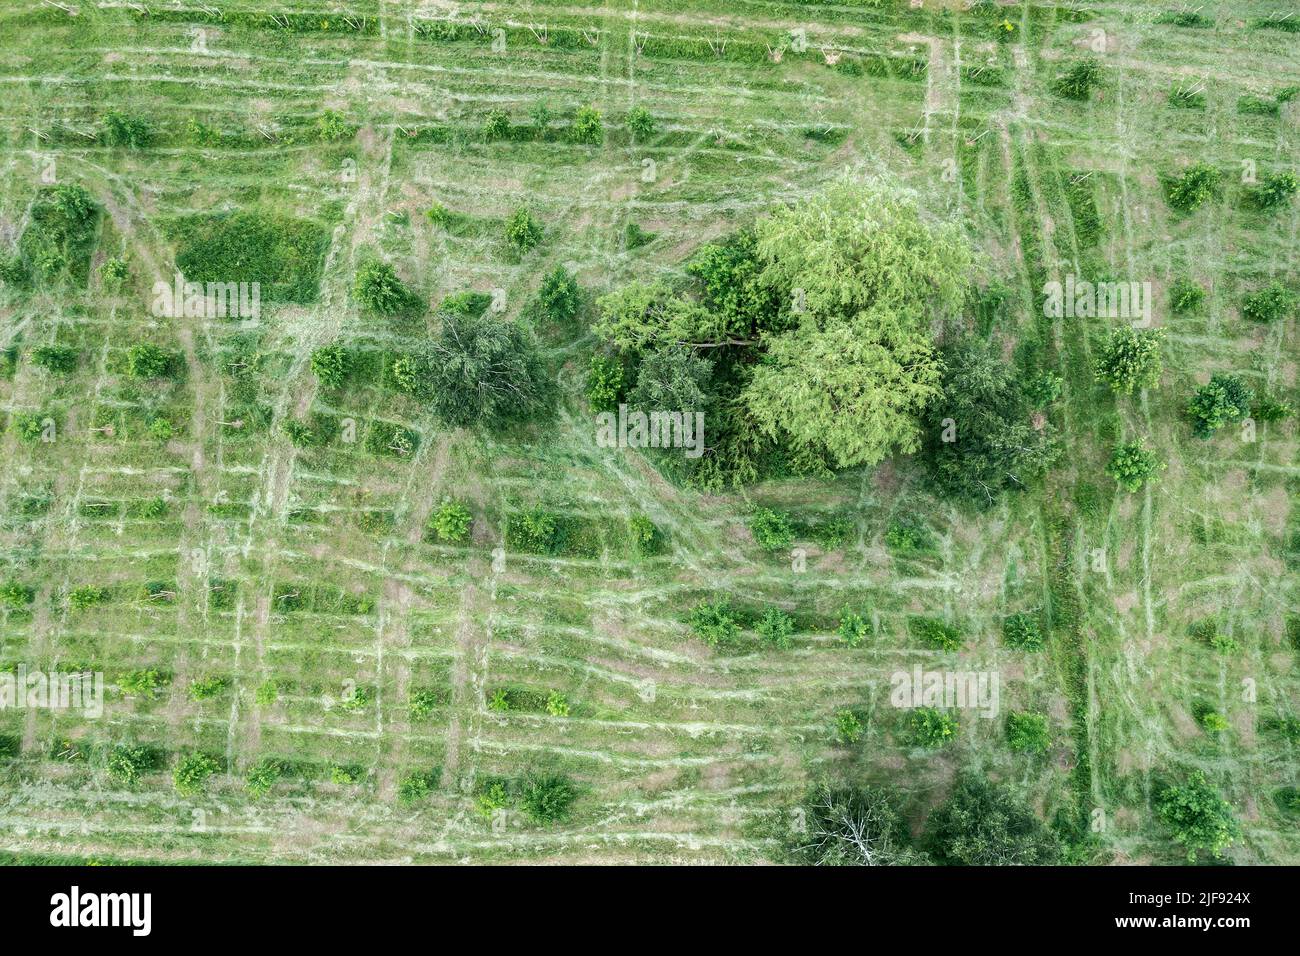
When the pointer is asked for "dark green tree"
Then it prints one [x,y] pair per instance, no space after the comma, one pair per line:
[983,824]
[982,437]
[1221,401]
[378,289]
[482,371]
[559,297]
[548,798]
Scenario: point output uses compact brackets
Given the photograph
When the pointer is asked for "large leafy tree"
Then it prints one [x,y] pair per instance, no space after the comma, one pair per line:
[982,436]
[862,245]
[866,275]
[818,324]
[853,389]
[649,315]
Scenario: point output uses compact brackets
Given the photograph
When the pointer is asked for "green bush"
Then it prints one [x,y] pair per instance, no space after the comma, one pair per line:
[1028,733]
[1185,295]
[497,124]
[848,727]
[541,116]
[378,289]
[908,534]
[1249,104]
[640,123]
[831,533]
[1197,185]
[1200,818]
[415,786]
[451,522]
[1133,465]
[854,628]
[587,128]
[559,297]
[1078,82]
[344,776]
[1131,359]
[1021,631]
[1187,97]
[647,539]
[935,633]
[331,364]
[536,531]
[1223,400]
[331,128]
[161,429]
[16,596]
[355,700]
[423,704]
[557,704]
[1044,389]
[145,360]
[60,359]
[262,776]
[1268,304]
[267,693]
[548,799]
[1270,409]
[523,231]
[120,129]
[715,623]
[1211,721]
[85,596]
[205,688]
[1288,801]
[1275,192]
[192,771]
[30,426]
[776,627]
[127,764]
[930,727]
[141,683]
[772,530]
[59,237]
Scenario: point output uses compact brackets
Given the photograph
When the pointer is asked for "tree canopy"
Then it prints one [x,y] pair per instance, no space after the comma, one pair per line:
[982,436]
[817,321]
[480,371]
[983,824]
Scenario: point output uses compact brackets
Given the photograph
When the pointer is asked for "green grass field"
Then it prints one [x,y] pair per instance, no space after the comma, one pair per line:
[292,605]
